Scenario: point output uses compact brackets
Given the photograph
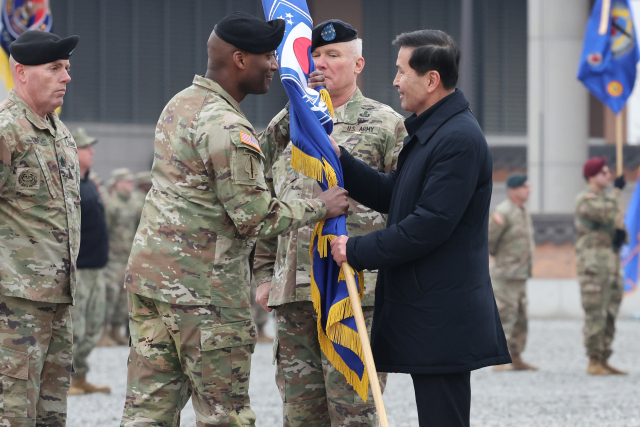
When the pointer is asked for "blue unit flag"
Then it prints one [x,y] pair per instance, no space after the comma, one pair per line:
[610,53]
[631,252]
[310,123]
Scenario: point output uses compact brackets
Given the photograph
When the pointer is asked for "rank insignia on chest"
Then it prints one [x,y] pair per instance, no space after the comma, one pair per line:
[249,140]
[28,178]
[251,166]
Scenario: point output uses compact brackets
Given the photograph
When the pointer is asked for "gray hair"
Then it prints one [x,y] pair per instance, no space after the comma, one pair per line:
[356,47]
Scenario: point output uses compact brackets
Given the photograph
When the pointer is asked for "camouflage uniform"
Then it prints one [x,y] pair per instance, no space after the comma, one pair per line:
[511,243]
[88,317]
[599,270]
[39,241]
[121,220]
[312,391]
[190,265]
[138,196]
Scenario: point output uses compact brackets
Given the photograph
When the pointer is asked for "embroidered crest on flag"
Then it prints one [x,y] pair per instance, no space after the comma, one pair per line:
[622,32]
[19,16]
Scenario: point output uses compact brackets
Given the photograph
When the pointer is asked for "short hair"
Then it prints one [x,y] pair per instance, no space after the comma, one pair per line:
[433,50]
[356,47]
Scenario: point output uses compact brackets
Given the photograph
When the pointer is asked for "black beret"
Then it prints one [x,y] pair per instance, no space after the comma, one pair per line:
[332,31]
[248,33]
[40,47]
[516,180]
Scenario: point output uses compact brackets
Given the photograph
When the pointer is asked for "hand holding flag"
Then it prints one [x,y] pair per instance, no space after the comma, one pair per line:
[335,291]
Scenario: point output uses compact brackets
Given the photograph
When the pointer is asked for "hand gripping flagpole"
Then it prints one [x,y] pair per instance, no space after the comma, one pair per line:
[354,296]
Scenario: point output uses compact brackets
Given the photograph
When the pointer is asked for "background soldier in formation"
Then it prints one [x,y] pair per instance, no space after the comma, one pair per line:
[143,185]
[601,233]
[511,243]
[122,219]
[189,271]
[39,234]
[88,311]
[314,392]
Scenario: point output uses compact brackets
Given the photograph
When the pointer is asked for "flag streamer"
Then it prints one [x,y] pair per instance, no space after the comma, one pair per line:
[310,123]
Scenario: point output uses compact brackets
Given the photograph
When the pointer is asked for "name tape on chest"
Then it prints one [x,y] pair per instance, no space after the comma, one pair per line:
[249,140]
[361,129]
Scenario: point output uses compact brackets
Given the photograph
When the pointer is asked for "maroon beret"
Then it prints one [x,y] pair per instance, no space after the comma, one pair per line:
[593,166]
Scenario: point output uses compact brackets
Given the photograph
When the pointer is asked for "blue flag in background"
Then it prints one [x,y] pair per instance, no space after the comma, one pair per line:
[610,53]
[16,17]
[631,251]
[310,123]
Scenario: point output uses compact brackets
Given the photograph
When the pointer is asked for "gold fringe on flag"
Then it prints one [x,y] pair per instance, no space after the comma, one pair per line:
[343,336]
[336,331]
[326,97]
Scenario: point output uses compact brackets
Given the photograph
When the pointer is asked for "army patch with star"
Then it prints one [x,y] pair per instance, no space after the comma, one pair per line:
[28,178]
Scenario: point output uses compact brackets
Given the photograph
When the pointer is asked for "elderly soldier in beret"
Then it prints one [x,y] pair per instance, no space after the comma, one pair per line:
[88,312]
[313,392]
[122,220]
[601,233]
[511,243]
[39,234]
[190,266]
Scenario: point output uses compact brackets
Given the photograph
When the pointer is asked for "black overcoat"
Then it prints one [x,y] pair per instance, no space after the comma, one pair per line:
[435,312]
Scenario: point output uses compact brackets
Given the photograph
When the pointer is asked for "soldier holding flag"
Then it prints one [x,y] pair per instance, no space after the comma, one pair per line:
[314,392]
[189,271]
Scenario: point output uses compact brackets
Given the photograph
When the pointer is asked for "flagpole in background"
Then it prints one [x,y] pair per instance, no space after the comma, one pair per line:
[619,153]
[366,346]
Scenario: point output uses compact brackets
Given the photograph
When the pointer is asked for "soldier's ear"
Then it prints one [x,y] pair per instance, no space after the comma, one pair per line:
[240,59]
[20,71]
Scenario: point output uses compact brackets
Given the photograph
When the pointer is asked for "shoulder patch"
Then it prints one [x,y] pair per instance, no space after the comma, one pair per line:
[589,196]
[249,140]
[498,219]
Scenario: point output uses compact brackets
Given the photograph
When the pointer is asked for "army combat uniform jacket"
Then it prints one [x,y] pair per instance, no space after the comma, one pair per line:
[208,205]
[511,241]
[372,132]
[39,242]
[596,215]
[39,205]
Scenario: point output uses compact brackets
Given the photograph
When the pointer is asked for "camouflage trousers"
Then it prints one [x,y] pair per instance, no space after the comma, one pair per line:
[35,362]
[88,316]
[313,392]
[601,293]
[182,351]
[511,299]
[116,296]
[259,314]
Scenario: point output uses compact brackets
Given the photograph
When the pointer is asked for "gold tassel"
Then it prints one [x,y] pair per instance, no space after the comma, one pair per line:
[305,164]
[330,173]
[324,94]
[343,335]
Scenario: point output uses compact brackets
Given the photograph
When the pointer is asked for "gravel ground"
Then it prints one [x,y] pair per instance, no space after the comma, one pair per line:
[560,394]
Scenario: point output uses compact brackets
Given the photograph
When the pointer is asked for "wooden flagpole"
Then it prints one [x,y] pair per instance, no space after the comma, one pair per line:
[366,346]
[619,165]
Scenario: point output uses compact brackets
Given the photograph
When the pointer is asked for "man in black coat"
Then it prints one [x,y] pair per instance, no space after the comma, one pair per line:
[435,315]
